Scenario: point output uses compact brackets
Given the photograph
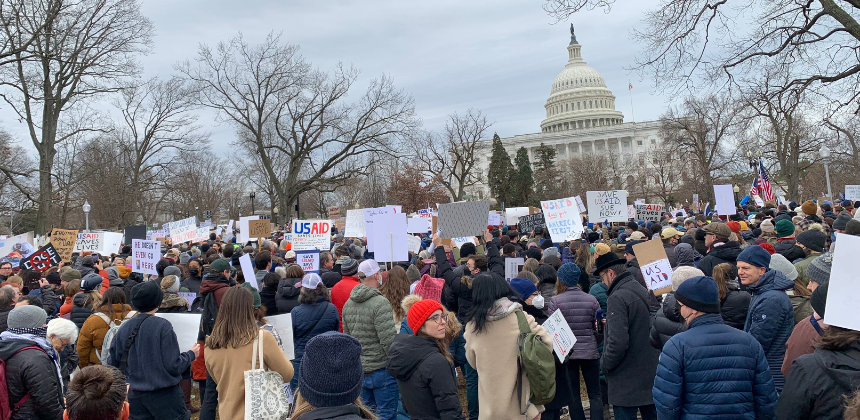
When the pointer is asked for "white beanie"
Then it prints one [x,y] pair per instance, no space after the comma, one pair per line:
[779,263]
[683,273]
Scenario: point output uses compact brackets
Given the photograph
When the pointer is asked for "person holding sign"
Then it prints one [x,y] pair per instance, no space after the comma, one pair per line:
[711,370]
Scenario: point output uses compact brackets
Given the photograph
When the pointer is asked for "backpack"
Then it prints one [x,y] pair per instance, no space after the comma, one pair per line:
[210,312]
[8,349]
[537,361]
[104,354]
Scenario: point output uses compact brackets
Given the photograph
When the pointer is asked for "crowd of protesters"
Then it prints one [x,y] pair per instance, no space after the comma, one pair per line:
[741,334]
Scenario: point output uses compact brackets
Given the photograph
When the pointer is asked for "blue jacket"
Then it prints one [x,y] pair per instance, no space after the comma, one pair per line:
[770,319]
[305,325]
[713,371]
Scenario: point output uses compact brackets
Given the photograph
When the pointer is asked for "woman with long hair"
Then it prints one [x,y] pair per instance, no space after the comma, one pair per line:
[395,289]
[314,315]
[112,310]
[491,337]
[423,366]
[734,302]
[546,275]
[229,349]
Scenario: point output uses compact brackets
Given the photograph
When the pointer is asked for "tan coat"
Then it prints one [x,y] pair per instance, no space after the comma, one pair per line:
[493,353]
[228,366]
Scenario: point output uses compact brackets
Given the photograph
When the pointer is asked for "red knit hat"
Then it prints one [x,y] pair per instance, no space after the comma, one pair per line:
[419,312]
[734,226]
[430,288]
[769,248]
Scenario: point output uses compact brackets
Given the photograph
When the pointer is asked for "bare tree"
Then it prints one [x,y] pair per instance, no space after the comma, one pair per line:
[846,144]
[22,22]
[455,154]
[87,48]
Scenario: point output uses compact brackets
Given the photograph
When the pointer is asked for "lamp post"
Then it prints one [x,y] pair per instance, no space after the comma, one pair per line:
[736,189]
[752,160]
[825,155]
[252,194]
[197,213]
[275,216]
[86,209]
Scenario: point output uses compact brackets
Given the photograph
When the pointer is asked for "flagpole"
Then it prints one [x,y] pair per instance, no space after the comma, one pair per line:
[630,91]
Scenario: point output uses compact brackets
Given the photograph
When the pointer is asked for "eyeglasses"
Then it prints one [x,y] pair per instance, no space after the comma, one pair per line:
[439,318]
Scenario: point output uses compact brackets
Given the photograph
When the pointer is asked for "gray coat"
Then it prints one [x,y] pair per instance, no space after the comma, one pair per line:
[667,322]
[578,309]
[628,362]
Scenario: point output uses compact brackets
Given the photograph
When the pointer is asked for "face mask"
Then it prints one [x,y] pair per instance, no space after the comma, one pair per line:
[193,271]
[537,302]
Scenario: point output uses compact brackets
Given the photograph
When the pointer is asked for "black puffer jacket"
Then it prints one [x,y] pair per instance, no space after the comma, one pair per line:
[726,253]
[818,384]
[667,322]
[288,294]
[192,283]
[80,313]
[789,250]
[734,307]
[425,378]
[32,372]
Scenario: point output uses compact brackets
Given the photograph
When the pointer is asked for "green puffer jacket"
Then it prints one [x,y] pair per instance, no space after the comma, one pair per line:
[368,317]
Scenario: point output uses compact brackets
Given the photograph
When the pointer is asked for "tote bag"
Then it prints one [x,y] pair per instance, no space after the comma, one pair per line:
[264,392]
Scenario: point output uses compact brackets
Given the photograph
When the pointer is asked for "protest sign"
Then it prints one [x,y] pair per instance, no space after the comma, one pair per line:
[580,204]
[631,211]
[43,259]
[186,325]
[654,265]
[309,261]
[201,235]
[607,206]
[529,222]
[258,229]
[354,224]
[145,256]
[512,267]
[513,214]
[852,192]
[696,201]
[248,270]
[844,287]
[725,201]
[14,248]
[64,242]
[242,236]
[340,224]
[418,225]
[562,336]
[414,244]
[183,230]
[134,232]
[189,296]
[334,212]
[155,234]
[562,219]
[494,219]
[283,324]
[206,223]
[649,212]
[467,218]
[311,234]
[389,233]
[99,242]
[368,222]
[459,241]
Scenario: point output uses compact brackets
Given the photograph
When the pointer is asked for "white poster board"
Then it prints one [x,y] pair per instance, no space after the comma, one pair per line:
[368,222]
[494,219]
[248,270]
[99,242]
[389,234]
[649,212]
[852,192]
[186,325]
[512,267]
[145,256]
[562,337]
[418,225]
[309,261]
[562,219]
[354,224]
[311,234]
[607,206]
[844,287]
[283,324]
[414,244]
[242,237]
[725,199]
[580,204]
[183,230]
[513,214]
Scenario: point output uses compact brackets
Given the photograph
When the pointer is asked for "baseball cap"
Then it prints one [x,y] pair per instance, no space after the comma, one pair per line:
[311,281]
[368,267]
[669,232]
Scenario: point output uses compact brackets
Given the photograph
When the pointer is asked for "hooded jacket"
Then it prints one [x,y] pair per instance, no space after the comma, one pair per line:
[726,253]
[771,319]
[93,334]
[217,285]
[667,322]
[113,276]
[425,378]
[578,309]
[368,317]
[713,371]
[310,321]
[340,294]
[268,297]
[32,372]
[818,383]
[287,297]
[4,316]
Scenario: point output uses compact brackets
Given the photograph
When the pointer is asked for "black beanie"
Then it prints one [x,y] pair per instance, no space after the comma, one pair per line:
[818,300]
[146,296]
[467,249]
[534,252]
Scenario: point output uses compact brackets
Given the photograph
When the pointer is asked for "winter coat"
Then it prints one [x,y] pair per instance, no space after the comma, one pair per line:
[93,332]
[4,316]
[343,412]
[217,286]
[547,290]
[287,297]
[802,341]
[629,362]
[802,265]
[726,253]
[788,248]
[340,294]
[192,283]
[493,353]
[310,321]
[50,300]
[459,291]
[133,280]
[368,317]
[669,248]
[66,307]
[713,371]
[329,277]
[173,303]
[819,383]
[771,318]
[598,290]
[425,379]
[80,313]
[685,255]
[667,322]
[801,305]
[269,300]
[734,307]
[32,372]
[567,256]
[578,309]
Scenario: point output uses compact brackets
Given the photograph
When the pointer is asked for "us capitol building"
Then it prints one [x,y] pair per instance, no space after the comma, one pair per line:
[581,119]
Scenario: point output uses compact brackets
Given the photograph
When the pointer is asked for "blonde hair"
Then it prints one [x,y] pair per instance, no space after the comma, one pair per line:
[303,407]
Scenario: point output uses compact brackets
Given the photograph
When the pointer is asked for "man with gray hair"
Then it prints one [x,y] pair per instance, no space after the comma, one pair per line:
[328,272]
[7,303]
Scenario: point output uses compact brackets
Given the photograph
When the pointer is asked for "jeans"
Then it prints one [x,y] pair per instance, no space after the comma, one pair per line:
[161,404]
[294,383]
[591,374]
[209,399]
[649,412]
[379,393]
[458,349]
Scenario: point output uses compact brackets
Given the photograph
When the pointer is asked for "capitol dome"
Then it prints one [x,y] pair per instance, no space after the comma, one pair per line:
[579,98]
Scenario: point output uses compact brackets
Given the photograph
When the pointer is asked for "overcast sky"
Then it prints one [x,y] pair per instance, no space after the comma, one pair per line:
[499,56]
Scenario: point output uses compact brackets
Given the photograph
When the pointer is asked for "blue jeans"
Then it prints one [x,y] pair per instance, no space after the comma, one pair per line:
[294,383]
[379,393]
[649,412]
[458,349]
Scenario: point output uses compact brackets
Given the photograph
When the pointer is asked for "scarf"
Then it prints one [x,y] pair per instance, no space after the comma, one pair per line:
[501,308]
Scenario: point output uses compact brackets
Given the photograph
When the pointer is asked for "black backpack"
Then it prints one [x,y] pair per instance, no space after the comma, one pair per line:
[210,312]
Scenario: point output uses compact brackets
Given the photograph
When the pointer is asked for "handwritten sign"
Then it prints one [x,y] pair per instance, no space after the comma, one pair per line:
[529,222]
[512,267]
[354,224]
[513,214]
[64,242]
[258,229]
[494,219]
[201,234]
[145,255]
[654,265]
[852,192]
[311,234]
[309,261]
[369,214]
[563,338]
[183,230]
[562,219]
[414,244]
[43,259]
[334,212]
[649,212]
[580,204]
[99,242]
[607,206]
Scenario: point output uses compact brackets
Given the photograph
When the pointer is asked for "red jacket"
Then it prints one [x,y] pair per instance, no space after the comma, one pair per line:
[340,294]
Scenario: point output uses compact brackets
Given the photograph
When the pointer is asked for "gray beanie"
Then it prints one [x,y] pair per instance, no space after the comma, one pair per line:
[819,269]
[779,263]
[841,220]
[184,257]
[551,251]
[173,270]
[27,316]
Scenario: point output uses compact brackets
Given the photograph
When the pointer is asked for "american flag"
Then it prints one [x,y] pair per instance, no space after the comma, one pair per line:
[764,183]
[630,87]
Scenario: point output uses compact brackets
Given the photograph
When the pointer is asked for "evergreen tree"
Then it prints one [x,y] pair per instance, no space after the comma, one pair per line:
[523,181]
[500,173]
[547,177]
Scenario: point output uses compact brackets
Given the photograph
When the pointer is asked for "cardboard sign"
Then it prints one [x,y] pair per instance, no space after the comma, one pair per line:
[390,237]
[513,214]
[258,229]
[309,261]
[334,212]
[183,230]
[354,224]
[99,242]
[725,199]
[562,337]
[248,270]
[844,287]
[512,267]
[43,259]
[649,212]
[134,232]
[654,265]
[145,255]
[852,193]
[64,242]
[580,204]
[530,222]
[562,219]
[311,234]
[607,206]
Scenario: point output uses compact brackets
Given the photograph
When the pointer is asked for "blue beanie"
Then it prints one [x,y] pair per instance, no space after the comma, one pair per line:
[700,293]
[569,274]
[524,287]
[755,255]
[331,373]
